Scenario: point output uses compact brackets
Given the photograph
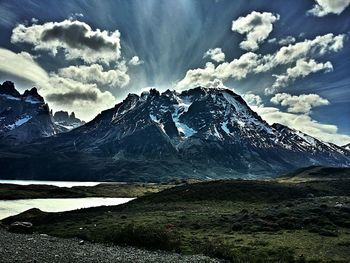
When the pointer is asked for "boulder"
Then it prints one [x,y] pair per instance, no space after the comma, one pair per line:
[21,227]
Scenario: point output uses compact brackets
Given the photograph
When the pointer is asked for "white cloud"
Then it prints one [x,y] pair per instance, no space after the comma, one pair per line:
[317,47]
[135,61]
[286,41]
[272,40]
[251,62]
[86,100]
[257,27]
[95,73]
[299,104]
[238,69]
[325,7]
[304,123]
[215,54]
[302,68]
[77,40]
[253,100]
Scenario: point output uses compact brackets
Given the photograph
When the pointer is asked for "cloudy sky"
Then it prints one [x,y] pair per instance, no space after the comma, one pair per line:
[290,60]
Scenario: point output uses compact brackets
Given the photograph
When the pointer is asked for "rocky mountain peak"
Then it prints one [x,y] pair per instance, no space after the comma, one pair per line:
[66,121]
[33,96]
[8,88]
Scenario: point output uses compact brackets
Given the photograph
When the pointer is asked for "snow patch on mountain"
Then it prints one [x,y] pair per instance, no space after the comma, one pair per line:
[9,97]
[32,100]
[225,128]
[180,109]
[19,122]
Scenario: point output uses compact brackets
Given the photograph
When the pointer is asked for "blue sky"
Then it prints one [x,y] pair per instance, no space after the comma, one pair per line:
[162,44]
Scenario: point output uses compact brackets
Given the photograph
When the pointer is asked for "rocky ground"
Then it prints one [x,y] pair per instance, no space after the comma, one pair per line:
[43,248]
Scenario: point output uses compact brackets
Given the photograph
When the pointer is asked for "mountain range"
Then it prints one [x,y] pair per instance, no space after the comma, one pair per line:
[198,133]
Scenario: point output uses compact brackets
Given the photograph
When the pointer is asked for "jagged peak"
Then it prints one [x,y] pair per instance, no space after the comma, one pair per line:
[8,88]
[132,96]
[33,92]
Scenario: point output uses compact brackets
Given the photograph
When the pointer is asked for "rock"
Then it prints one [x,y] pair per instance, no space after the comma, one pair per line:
[81,242]
[324,206]
[310,195]
[345,209]
[8,88]
[21,227]
[327,233]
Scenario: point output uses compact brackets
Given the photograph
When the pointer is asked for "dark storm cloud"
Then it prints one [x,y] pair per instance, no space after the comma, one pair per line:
[76,35]
[71,97]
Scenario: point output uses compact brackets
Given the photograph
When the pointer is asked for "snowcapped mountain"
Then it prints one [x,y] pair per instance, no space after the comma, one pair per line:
[203,133]
[23,117]
[26,117]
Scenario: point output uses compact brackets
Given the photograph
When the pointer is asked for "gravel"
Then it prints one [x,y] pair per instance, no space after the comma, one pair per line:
[43,248]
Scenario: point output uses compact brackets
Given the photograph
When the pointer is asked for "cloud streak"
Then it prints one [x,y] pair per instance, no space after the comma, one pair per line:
[299,104]
[302,68]
[22,65]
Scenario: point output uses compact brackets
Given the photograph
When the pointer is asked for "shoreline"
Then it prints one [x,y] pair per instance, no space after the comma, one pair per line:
[113,190]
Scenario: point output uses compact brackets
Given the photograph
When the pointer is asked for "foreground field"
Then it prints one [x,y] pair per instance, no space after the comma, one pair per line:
[241,221]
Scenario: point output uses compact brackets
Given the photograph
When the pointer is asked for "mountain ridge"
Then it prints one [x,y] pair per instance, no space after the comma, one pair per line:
[198,133]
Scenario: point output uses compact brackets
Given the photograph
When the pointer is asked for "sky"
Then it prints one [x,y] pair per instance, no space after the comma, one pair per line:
[290,60]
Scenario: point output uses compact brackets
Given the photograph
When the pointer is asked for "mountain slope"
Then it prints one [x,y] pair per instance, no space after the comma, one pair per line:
[202,133]
[23,118]
[347,146]
[316,173]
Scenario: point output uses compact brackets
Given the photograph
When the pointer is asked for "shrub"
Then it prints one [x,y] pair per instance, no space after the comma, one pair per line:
[145,236]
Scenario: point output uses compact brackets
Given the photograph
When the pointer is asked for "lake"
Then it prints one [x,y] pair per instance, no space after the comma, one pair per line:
[13,207]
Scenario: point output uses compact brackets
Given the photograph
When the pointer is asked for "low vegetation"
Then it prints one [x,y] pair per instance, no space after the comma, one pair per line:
[12,191]
[236,220]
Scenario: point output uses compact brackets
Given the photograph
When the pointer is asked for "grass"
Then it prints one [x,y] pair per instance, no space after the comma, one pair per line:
[241,221]
[12,191]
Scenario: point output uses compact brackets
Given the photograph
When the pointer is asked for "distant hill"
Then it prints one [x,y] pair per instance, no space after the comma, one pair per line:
[318,173]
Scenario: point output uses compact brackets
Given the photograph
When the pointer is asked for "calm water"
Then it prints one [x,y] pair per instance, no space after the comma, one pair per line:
[13,207]
[56,183]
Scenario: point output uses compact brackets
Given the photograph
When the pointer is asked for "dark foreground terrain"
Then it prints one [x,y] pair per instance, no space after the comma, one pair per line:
[46,249]
[236,220]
